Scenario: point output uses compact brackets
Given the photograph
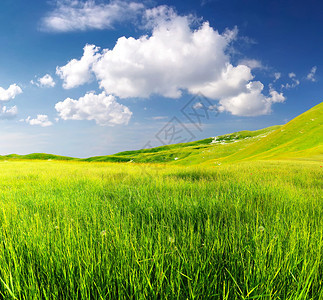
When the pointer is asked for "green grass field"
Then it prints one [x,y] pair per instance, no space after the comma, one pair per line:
[73,230]
[236,217]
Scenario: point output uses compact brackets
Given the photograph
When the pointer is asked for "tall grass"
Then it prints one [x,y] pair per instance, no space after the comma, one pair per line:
[120,231]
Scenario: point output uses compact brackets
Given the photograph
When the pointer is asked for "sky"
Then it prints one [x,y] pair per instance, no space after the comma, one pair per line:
[85,78]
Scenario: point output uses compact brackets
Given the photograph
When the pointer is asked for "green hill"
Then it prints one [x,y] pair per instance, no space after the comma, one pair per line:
[39,156]
[190,153]
[301,138]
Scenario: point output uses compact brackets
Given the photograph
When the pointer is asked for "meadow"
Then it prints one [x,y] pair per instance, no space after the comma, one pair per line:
[80,230]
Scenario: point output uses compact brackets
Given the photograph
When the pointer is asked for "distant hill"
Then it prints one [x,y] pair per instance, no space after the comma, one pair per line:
[301,138]
[39,156]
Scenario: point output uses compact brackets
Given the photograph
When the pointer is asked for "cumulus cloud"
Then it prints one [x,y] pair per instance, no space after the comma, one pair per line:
[102,108]
[311,75]
[45,81]
[78,72]
[40,120]
[10,93]
[75,15]
[8,112]
[173,58]
[231,81]
[251,102]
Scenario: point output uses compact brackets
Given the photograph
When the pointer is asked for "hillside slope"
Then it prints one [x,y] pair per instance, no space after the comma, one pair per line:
[191,153]
[302,137]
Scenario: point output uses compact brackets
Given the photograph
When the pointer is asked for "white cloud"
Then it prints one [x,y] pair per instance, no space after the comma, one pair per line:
[276,97]
[277,76]
[172,59]
[198,105]
[311,75]
[78,72]
[295,82]
[231,81]
[41,120]
[247,40]
[10,93]
[75,15]
[163,15]
[252,63]
[102,108]
[8,112]
[159,118]
[45,81]
[251,102]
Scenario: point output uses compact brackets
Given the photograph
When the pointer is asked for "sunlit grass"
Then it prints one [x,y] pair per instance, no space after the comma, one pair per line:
[71,230]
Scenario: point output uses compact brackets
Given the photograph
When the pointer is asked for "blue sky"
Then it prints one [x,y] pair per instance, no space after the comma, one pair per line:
[85,78]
